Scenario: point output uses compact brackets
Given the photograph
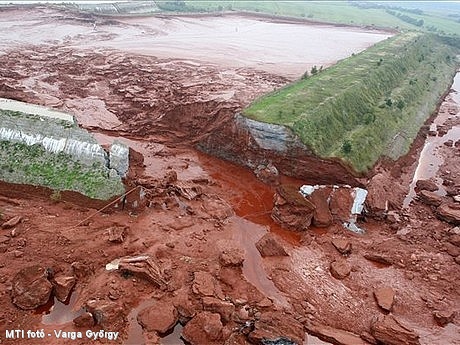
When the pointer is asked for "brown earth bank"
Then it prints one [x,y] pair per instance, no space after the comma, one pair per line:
[203,258]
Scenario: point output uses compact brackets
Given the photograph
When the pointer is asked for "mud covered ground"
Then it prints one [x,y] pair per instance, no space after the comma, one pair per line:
[206,276]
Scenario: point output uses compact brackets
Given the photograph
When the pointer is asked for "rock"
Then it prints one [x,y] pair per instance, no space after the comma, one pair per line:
[449,214]
[63,286]
[170,177]
[343,246]
[265,303]
[454,239]
[269,246]
[368,337]
[456,198]
[106,313]
[273,326]
[117,234]
[85,320]
[444,317]
[291,209]
[449,143]
[452,250]
[81,270]
[388,330]
[428,185]
[455,230]
[334,335]
[383,195]
[340,269]
[4,239]
[223,308]
[430,198]
[380,258]
[385,297]
[204,328]
[231,257]
[31,288]
[12,222]
[160,317]
[267,173]
[393,217]
[341,203]
[203,284]
[322,216]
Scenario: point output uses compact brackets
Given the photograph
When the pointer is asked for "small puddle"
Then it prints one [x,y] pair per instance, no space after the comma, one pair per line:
[58,313]
[135,332]
[429,161]
[173,338]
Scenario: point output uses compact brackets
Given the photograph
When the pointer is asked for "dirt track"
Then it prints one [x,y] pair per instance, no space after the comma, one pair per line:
[162,107]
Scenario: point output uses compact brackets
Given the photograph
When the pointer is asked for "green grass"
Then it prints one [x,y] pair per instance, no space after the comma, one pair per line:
[330,12]
[368,105]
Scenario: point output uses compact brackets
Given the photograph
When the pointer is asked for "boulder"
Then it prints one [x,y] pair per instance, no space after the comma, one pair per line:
[340,269]
[341,204]
[385,297]
[106,313]
[383,194]
[204,328]
[388,330]
[269,246]
[334,335]
[276,326]
[449,213]
[31,287]
[223,308]
[430,198]
[12,222]
[160,317]
[444,317]
[203,284]
[63,286]
[322,216]
[343,246]
[428,185]
[231,257]
[85,320]
[291,209]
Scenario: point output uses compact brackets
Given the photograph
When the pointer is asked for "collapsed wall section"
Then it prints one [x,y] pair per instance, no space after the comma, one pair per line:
[56,153]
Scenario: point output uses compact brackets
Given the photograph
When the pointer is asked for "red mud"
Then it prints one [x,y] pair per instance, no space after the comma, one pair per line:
[199,228]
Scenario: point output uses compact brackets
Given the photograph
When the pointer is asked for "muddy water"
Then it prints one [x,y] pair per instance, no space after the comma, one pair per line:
[59,313]
[287,49]
[281,48]
[430,161]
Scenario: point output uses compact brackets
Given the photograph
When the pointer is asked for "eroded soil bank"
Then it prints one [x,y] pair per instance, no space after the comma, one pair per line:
[195,244]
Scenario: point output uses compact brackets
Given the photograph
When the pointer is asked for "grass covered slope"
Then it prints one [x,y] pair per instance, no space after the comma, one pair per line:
[368,105]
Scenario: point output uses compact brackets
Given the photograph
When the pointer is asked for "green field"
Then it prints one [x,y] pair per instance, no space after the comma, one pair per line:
[366,106]
[443,21]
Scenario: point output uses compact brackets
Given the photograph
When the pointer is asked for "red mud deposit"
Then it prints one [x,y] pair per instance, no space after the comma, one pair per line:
[194,251]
